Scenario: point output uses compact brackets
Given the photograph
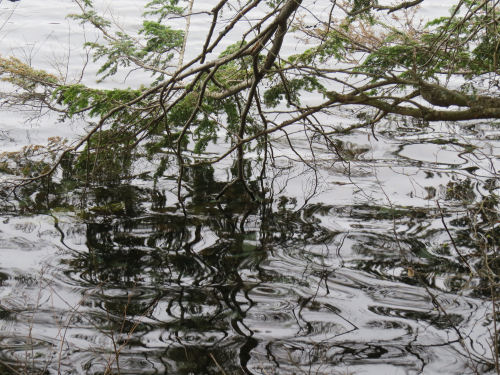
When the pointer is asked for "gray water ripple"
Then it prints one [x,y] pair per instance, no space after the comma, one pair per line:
[324,290]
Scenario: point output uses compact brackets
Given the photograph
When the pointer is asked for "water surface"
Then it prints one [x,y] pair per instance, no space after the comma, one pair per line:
[357,276]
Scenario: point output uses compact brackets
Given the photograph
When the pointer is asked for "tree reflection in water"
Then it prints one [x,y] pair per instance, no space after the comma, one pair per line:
[250,287]
[188,278]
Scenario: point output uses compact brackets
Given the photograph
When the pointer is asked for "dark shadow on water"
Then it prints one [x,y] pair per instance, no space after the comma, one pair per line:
[248,287]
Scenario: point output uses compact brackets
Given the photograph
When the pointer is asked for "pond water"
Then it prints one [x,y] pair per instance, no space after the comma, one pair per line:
[357,276]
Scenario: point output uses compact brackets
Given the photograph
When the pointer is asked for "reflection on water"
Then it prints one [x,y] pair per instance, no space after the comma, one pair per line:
[114,278]
[132,285]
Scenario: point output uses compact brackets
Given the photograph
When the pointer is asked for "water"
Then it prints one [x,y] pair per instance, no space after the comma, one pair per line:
[360,277]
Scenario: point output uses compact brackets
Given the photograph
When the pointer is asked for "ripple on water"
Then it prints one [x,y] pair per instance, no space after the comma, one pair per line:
[321,291]
[436,154]
[300,303]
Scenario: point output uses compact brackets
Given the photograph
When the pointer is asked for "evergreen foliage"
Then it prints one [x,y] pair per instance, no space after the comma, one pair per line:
[374,58]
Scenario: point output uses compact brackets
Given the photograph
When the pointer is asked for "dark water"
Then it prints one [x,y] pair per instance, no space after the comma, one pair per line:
[344,269]
[132,285]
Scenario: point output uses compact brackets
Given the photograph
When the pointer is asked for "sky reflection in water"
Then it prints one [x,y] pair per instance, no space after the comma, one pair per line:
[346,283]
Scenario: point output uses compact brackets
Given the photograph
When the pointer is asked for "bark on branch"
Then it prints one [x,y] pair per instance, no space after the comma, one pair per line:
[425,113]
